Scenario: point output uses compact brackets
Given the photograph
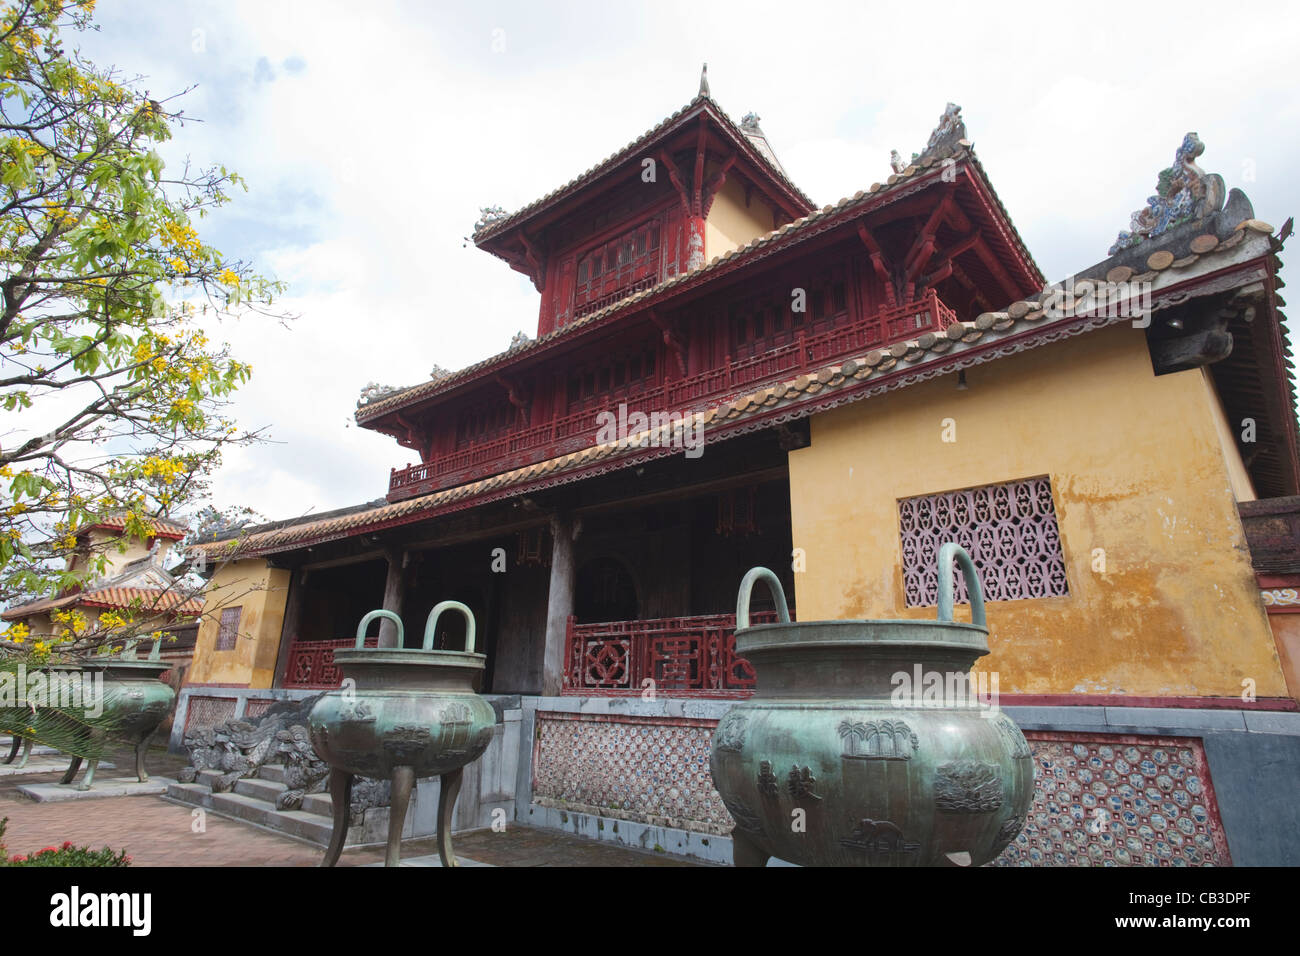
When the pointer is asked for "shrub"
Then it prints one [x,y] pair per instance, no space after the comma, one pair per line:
[65,855]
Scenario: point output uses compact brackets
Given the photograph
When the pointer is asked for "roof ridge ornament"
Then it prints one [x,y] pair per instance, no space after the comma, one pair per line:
[1184,192]
[704,82]
[950,131]
[489,216]
[373,392]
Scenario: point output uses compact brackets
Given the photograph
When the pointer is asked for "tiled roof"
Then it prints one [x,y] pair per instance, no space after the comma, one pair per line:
[151,599]
[621,156]
[165,528]
[992,335]
[756,248]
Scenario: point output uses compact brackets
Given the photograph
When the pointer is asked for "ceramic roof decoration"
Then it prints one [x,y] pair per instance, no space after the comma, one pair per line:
[489,216]
[374,392]
[1184,192]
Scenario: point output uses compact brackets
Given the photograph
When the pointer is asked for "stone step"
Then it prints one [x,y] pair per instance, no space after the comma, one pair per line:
[320,804]
[266,790]
[306,826]
[271,771]
[247,804]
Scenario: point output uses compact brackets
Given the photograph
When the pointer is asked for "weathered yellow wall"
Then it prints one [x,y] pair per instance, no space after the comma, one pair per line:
[730,223]
[261,592]
[1242,485]
[1136,468]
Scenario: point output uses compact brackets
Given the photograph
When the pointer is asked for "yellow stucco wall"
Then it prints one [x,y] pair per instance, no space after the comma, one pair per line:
[1137,469]
[731,223]
[1242,485]
[261,593]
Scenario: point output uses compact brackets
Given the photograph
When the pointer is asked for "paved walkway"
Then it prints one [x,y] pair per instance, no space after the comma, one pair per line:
[156,832]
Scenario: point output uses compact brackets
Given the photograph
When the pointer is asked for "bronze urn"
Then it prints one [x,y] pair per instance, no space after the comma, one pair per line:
[840,759]
[412,713]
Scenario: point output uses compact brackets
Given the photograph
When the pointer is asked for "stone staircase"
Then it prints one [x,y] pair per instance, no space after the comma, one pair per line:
[253,800]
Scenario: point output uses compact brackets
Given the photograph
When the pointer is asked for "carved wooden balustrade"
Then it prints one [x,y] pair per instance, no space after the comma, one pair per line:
[570,433]
[311,663]
[683,656]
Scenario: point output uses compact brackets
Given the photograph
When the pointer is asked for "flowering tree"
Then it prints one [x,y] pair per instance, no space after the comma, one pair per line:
[112,395]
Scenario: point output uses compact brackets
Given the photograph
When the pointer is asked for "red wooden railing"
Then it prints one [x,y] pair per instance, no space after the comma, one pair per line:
[311,663]
[578,430]
[683,656]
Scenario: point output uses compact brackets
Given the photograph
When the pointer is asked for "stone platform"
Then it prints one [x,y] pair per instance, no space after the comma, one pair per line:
[51,761]
[104,787]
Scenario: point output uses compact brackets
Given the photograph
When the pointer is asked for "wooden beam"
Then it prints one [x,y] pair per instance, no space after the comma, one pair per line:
[878,262]
[697,182]
[675,178]
[536,260]
[1191,351]
[923,245]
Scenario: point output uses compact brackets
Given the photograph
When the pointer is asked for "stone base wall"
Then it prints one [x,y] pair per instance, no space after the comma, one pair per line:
[1114,786]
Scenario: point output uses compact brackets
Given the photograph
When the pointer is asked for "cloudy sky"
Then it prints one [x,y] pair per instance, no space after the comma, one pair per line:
[370,135]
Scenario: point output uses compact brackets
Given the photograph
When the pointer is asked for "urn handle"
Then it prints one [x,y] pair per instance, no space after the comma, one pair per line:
[746,592]
[430,626]
[947,588]
[387,615]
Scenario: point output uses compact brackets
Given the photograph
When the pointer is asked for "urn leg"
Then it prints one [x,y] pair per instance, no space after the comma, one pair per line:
[746,853]
[72,770]
[399,800]
[27,752]
[88,780]
[341,797]
[140,749]
[447,794]
[13,749]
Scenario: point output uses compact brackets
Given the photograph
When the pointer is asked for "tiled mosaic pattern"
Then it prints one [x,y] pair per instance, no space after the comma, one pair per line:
[208,712]
[1099,800]
[1119,801]
[256,707]
[651,770]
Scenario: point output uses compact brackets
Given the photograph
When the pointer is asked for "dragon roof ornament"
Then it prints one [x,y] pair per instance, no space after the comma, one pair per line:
[1184,192]
[373,392]
[951,130]
[488,216]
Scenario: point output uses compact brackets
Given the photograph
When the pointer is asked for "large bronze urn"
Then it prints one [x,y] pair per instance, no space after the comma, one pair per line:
[865,743]
[412,713]
[135,701]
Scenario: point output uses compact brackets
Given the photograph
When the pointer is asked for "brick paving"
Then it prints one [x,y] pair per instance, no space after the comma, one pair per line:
[156,832]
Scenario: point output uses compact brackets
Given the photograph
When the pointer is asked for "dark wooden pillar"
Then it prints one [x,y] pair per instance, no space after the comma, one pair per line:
[292,622]
[394,594]
[559,603]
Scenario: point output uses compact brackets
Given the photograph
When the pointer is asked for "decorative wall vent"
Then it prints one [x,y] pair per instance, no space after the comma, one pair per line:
[1009,530]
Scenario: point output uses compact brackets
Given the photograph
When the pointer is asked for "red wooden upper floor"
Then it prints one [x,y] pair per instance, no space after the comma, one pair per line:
[636,324]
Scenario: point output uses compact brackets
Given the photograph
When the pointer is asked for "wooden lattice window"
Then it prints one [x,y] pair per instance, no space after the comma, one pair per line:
[228,632]
[1009,530]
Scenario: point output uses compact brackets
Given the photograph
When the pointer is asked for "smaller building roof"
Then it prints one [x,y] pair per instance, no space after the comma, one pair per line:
[142,586]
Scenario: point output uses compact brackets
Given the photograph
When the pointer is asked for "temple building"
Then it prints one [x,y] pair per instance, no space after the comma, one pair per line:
[726,375]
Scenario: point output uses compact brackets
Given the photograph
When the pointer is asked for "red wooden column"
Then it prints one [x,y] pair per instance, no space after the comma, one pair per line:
[559,604]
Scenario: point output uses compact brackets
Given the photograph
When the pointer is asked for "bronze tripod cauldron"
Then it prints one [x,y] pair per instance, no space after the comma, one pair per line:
[412,713]
[877,775]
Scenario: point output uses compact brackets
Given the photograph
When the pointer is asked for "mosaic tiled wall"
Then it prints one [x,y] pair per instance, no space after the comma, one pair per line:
[653,770]
[257,706]
[208,712]
[1102,800]
[1099,800]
